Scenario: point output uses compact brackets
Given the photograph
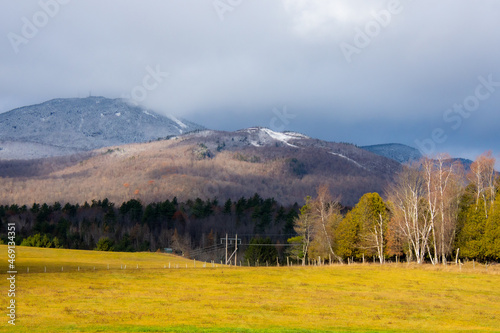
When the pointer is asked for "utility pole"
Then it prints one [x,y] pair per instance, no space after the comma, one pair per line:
[236,251]
[226,248]
[233,253]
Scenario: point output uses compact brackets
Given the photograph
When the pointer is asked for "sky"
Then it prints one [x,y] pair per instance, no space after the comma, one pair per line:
[423,73]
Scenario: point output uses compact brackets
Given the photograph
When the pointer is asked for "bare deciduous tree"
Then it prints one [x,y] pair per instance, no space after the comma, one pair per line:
[482,175]
[425,199]
[407,195]
[325,212]
[303,227]
[449,186]
[443,186]
[432,196]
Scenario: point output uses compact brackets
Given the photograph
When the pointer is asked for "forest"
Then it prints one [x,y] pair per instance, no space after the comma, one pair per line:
[193,228]
[432,212]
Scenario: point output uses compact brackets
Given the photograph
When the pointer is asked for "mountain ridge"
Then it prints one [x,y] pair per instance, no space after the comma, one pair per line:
[71,125]
[395,151]
[181,159]
[205,164]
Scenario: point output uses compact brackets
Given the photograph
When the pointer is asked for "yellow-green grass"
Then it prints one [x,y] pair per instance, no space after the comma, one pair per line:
[39,260]
[339,298]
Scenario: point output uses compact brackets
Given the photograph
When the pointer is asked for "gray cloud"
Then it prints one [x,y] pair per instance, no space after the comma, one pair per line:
[231,73]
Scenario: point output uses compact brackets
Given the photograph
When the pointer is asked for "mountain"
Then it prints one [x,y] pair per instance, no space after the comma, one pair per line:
[466,163]
[66,126]
[406,154]
[206,164]
[395,151]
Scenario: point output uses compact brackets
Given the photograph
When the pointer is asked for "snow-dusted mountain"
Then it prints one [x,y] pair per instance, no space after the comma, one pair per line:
[296,143]
[285,165]
[64,126]
[395,151]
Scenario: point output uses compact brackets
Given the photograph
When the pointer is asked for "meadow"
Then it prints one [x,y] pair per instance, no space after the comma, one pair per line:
[74,291]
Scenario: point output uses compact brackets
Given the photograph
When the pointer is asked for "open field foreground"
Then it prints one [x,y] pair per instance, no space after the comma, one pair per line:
[154,298]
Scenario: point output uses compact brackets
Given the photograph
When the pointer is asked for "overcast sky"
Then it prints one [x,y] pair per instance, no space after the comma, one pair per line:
[424,73]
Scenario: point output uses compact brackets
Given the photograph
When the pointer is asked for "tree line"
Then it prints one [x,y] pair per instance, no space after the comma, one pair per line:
[193,228]
[433,212]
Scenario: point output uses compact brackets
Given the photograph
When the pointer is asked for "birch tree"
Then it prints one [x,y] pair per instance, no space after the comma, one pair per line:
[443,188]
[303,226]
[450,187]
[325,213]
[407,195]
[432,196]
[482,175]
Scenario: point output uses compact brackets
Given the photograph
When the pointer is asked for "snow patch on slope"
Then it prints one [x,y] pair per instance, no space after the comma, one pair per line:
[177,121]
[296,135]
[349,159]
[255,143]
[279,136]
[149,114]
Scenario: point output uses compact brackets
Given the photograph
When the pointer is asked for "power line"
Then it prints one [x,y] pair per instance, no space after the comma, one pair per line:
[269,244]
[266,234]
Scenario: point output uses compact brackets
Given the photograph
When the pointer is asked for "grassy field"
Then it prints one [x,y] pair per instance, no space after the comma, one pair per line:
[154,298]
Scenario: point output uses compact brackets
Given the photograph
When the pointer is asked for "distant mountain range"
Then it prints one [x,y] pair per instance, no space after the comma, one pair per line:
[287,166]
[406,154]
[395,151]
[96,148]
[62,127]
[66,126]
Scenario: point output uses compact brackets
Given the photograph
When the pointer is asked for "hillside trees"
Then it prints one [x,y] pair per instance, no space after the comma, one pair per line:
[165,169]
